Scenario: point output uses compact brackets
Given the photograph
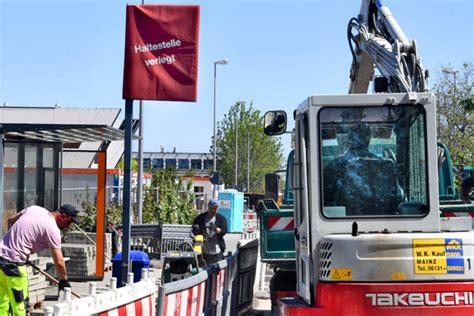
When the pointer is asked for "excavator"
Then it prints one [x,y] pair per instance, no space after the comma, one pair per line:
[368,233]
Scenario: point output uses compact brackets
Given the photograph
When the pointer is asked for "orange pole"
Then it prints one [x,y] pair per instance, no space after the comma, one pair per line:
[100,226]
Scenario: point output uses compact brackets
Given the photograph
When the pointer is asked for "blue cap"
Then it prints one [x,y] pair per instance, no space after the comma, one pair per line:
[213,202]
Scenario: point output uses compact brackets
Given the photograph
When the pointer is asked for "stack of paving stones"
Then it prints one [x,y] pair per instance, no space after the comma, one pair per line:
[79,238]
[81,260]
[37,283]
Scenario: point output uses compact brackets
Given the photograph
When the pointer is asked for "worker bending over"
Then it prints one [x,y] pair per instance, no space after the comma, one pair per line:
[31,230]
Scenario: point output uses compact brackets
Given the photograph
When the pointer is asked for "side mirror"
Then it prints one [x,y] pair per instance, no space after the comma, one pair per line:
[275,123]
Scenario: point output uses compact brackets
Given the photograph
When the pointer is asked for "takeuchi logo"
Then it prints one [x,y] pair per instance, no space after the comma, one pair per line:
[420,299]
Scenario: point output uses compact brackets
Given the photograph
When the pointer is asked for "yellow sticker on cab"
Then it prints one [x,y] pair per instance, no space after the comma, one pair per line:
[341,274]
[438,256]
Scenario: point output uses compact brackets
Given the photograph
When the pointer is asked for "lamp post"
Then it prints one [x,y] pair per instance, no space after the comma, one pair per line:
[236,148]
[248,155]
[450,71]
[217,62]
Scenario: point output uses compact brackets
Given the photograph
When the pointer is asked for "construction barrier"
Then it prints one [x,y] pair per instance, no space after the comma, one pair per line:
[250,221]
[223,289]
[137,299]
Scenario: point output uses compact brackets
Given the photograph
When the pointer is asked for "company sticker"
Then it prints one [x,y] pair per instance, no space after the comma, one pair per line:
[341,274]
[438,256]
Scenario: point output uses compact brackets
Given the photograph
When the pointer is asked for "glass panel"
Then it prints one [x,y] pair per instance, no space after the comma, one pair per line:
[49,196]
[10,184]
[208,164]
[158,164]
[183,164]
[170,163]
[196,164]
[146,163]
[373,160]
[31,194]
[48,154]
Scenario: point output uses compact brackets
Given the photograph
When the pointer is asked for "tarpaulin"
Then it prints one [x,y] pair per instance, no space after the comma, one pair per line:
[161,52]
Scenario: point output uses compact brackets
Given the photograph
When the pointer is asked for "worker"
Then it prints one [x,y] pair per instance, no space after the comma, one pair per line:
[213,226]
[349,180]
[29,231]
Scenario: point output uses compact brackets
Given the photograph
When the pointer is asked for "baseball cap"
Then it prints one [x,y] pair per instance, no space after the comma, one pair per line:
[213,202]
[70,210]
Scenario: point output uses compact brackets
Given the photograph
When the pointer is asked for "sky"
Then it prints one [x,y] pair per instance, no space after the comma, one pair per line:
[280,52]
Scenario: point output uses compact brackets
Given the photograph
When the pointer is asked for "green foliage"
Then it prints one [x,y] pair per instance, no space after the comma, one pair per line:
[455,103]
[265,152]
[134,164]
[175,201]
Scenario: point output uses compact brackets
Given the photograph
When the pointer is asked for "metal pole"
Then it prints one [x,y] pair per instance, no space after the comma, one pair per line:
[127,177]
[214,186]
[214,125]
[140,168]
[140,165]
[236,148]
[248,160]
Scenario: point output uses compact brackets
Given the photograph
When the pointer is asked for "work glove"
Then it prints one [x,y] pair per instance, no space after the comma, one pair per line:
[63,284]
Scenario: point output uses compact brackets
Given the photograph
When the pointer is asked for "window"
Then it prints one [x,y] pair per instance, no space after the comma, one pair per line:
[183,164]
[208,164]
[196,164]
[146,163]
[170,163]
[158,163]
[373,161]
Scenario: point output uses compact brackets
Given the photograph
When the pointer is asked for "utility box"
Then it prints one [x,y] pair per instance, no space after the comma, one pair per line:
[231,206]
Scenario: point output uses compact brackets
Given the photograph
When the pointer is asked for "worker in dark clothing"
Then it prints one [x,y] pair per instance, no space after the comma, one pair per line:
[213,227]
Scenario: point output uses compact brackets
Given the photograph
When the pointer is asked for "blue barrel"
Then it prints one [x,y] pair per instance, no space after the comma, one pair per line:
[139,260]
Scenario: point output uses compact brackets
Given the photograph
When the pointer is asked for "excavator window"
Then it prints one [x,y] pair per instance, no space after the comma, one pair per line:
[373,160]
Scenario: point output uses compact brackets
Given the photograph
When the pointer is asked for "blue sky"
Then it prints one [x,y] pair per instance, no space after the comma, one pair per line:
[280,52]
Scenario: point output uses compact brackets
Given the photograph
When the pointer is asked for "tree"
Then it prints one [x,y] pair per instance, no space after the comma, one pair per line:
[265,152]
[175,201]
[454,92]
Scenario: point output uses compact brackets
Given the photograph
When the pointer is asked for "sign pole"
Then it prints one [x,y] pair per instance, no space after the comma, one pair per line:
[127,190]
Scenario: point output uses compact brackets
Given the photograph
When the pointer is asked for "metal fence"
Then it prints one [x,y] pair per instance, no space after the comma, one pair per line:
[159,239]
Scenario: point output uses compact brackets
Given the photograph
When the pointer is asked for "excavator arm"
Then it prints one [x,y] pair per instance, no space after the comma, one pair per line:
[377,40]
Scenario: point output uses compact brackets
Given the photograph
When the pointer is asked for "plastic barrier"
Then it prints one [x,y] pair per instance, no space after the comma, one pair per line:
[242,296]
[133,299]
[250,222]
[186,297]
[223,289]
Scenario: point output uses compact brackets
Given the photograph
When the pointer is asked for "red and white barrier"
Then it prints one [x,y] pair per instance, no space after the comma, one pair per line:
[137,299]
[277,223]
[144,307]
[250,222]
[185,303]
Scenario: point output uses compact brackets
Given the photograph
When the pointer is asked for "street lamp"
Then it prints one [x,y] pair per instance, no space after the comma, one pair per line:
[217,62]
[248,155]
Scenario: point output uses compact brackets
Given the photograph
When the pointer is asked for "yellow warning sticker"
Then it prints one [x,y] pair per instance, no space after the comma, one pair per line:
[399,276]
[341,274]
[429,256]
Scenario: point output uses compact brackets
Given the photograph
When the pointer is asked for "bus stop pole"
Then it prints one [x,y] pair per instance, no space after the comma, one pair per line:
[127,190]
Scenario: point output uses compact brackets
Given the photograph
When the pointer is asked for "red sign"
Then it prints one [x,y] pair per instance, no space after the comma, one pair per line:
[161,52]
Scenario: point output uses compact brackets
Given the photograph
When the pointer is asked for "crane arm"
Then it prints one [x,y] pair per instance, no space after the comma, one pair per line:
[377,40]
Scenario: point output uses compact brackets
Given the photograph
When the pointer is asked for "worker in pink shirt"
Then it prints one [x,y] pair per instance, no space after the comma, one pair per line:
[29,231]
